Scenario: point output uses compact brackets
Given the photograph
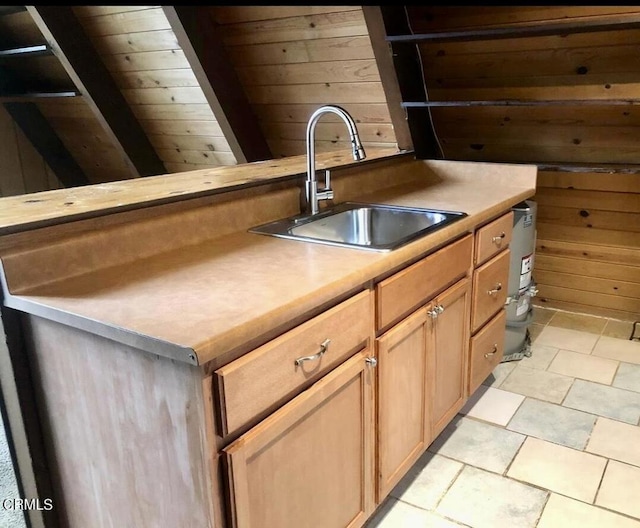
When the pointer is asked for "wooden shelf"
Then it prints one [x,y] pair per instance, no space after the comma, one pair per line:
[32,51]
[510,102]
[585,26]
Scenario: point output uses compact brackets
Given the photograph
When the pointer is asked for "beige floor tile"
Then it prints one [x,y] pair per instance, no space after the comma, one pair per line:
[609,402]
[627,377]
[397,514]
[539,384]
[535,330]
[558,468]
[500,373]
[619,329]
[485,500]
[427,481]
[616,440]
[492,405]
[554,423]
[567,339]
[542,315]
[620,489]
[541,357]
[477,443]
[620,349]
[562,512]
[577,365]
[575,321]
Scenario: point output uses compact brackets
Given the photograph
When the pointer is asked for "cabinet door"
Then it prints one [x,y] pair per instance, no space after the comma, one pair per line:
[310,463]
[447,354]
[402,407]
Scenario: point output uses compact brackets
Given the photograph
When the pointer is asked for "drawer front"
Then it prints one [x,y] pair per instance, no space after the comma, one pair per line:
[265,378]
[493,238]
[408,289]
[487,349]
[490,288]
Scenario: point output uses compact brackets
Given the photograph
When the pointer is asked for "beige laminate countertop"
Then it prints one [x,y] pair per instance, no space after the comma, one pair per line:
[198,302]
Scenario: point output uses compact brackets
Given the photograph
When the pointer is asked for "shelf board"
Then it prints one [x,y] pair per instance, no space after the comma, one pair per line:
[513,102]
[566,28]
[28,96]
[37,50]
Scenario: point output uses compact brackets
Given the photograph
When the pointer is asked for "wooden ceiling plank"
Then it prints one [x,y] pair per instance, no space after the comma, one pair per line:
[198,37]
[76,53]
[45,140]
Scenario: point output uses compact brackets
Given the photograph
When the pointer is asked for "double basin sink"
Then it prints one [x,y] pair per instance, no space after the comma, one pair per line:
[371,227]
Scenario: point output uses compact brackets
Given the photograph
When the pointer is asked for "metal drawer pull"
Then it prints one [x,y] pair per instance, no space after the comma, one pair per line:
[323,348]
[371,361]
[496,289]
[498,239]
[439,308]
[493,352]
[433,313]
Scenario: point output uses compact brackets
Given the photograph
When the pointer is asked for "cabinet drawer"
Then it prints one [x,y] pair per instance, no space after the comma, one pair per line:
[265,378]
[490,285]
[493,238]
[408,289]
[487,349]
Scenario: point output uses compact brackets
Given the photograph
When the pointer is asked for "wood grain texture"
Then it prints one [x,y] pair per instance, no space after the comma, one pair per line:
[259,382]
[403,292]
[486,350]
[490,285]
[119,432]
[311,462]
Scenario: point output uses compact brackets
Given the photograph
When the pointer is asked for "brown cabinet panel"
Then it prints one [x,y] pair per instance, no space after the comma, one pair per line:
[310,463]
[403,409]
[493,238]
[265,378]
[448,355]
[490,288]
[487,349]
[400,294]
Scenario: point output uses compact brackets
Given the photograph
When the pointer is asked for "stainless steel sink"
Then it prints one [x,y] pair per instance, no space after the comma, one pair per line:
[365,226]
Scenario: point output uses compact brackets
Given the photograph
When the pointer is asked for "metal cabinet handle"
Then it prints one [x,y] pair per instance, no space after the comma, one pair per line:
[493,352]
[439,308]
[433,313]
[495,290]
[498,239]
[372,361]
[323,348]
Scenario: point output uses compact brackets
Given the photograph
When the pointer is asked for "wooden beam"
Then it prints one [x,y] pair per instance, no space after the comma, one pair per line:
[45,140]
[37,50]
[408,68]
[200,40]
[76,53]
[384,60]
[542,30]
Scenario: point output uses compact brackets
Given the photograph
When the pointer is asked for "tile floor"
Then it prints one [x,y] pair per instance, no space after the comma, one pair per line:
[550,441]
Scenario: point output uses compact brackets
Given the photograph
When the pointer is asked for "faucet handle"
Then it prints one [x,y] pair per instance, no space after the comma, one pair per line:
[327,180]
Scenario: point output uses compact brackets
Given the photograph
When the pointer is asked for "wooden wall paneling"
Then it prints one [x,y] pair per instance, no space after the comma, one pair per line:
[143,54]
[34,168]
[293,59]
[11,182]
[73,48]
[198,35]
[45,140]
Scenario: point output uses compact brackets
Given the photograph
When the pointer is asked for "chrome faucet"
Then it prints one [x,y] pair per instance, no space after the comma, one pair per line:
[313,195]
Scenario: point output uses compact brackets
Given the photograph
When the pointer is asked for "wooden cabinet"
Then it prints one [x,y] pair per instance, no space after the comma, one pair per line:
[403,408]
[422,359]
[310,463]
[490,285]
[449,316]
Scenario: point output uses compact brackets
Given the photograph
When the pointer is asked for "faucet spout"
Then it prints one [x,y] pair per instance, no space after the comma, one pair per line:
[312,194]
